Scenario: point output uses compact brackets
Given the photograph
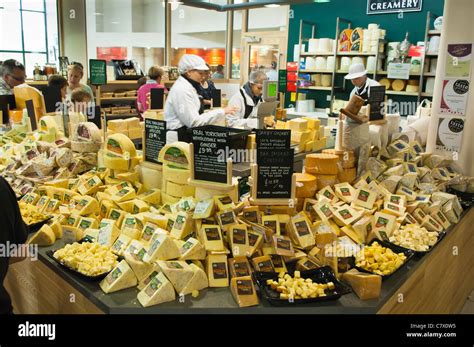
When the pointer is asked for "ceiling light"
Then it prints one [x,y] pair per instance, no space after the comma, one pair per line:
[272,5]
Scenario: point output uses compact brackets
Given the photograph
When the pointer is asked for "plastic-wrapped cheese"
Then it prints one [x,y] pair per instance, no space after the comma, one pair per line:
[322,163]
[121,145]
[121,277]
[158,290]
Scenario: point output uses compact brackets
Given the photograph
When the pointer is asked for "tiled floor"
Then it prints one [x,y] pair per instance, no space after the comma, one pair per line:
[469,305]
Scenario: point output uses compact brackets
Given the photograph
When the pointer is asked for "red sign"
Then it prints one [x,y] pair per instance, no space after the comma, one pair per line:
[109,53]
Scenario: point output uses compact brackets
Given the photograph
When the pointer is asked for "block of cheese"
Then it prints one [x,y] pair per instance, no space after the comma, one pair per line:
[182,226]
[211,237]
[226,219]
[192,249]
[56,227]
[346,158]
[323,210]
[384,224]
[263,264]
[43,237]
[301,138]
[313,123]
[431,224]
[161,247]
[179,273]
[298,124]
[108,233]
[199,280]
[239,266]
[346,215]
[299,227]
[347,175]
[121,277]
[121,244]
[272,222]
[322,164]
[408,193]
[326,180]
[158,290]
[175,154]
[396,210]
[243,291]
[132,226]
[283,246]
[117,125]
[306,185]
[176,175]
[72,234]
[329,194]
[117,215]
[239,240]
[175,189]
[217,270]
[140,268]
[90,186]
[365,198]
[439,217]
[121,145]
[366,286]
[87,222]
[345,192]
[204,209]
[147,232]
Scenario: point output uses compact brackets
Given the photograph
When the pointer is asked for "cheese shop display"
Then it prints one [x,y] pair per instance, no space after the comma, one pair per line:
[379,260]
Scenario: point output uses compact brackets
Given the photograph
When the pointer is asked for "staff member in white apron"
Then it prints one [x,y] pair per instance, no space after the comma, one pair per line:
[183,108]
[247,101]
[358,76]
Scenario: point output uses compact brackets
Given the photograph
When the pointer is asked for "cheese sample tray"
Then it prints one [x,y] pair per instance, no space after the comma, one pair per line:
[441,236]
[322,275]
[50,254]
[396,249]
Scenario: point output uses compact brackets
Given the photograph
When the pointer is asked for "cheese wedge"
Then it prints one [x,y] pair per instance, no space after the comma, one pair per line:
[121,277]
[158,290]
[43,237]
[179,273]
[366,286]
[161,247]
[199,281]
[239,267]
[211,237]
[243,291]
[192,249]
[217,270]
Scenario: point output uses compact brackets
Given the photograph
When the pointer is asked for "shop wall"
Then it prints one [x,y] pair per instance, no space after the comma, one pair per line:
[325,14]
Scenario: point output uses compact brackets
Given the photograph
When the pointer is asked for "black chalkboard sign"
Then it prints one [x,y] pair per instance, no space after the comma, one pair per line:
[216,98]
[30,109]
[157,98]
[273,139]
[275,172]
[155,139]
[52,98]
[97,72]
[376,102]
[210,161]
[7,102]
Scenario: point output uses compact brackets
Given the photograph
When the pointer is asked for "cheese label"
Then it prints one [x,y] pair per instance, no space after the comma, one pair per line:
[227,218]
[239,236]
[363,195]
[272,224]
[277,261]
[266,266]
[395,199]
[170,224]
[244,287]
[345,191]
[251,216]
[346,214]
[113,276]
[212,234]
[117,246]
[326,210]
[114,214]
[393,207]
[123,192]
[175,265]
[411,167]
[302,228]
[381,222]
[71,221]
[241,269]
[253,239]
[175,155]
[149,278]
[283,244]
[219,270]
[327,193]
[84,224]
[148,232]
[153,286]
[179,223]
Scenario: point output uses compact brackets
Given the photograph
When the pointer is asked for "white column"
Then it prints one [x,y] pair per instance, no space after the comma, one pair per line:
[458,27]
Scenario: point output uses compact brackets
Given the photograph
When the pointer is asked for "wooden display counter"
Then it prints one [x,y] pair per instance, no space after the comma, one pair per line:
[439,282]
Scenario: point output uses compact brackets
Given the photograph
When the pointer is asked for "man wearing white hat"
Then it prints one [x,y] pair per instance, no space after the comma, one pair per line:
[183,108]
[358,76]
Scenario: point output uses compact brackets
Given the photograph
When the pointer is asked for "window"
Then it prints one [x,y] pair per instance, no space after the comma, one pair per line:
[32,32]
[126,29]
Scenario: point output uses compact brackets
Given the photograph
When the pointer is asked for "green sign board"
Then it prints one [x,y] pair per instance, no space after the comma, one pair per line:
[282,81]
[97,72]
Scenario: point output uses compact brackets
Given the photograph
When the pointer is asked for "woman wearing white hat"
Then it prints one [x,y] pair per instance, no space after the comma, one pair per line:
[183,108]
[358,76]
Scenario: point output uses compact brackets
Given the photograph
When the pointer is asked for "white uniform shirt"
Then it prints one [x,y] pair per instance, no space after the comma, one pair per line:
[238,120]
[182,109]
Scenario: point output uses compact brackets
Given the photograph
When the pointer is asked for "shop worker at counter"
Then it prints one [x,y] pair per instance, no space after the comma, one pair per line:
[183,107]
[247,100]
[358,76]
[12,75]
[74,77]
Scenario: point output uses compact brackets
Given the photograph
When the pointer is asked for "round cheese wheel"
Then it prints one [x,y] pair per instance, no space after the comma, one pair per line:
[346,157]
[398,85]
[347,175]
[87,132]
[322,163]
[120,144]
[326,180]
[412,89]
[306,185]
[385,82]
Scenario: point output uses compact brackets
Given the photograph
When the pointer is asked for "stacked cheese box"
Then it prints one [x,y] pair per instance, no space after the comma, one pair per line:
[131,127]
[306,132]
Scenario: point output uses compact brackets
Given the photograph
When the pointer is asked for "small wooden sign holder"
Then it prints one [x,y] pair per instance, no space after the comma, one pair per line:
[291,202]
[221,187]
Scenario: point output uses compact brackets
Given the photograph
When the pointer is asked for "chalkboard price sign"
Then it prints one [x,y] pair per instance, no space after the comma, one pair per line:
[275,171]
[376,100]
[210,161]
[155,139]
[157,98]
[273,139]
[97,72]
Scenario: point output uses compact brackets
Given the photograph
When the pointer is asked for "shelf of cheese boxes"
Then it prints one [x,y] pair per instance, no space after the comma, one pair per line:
[129,125]
[148,215]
